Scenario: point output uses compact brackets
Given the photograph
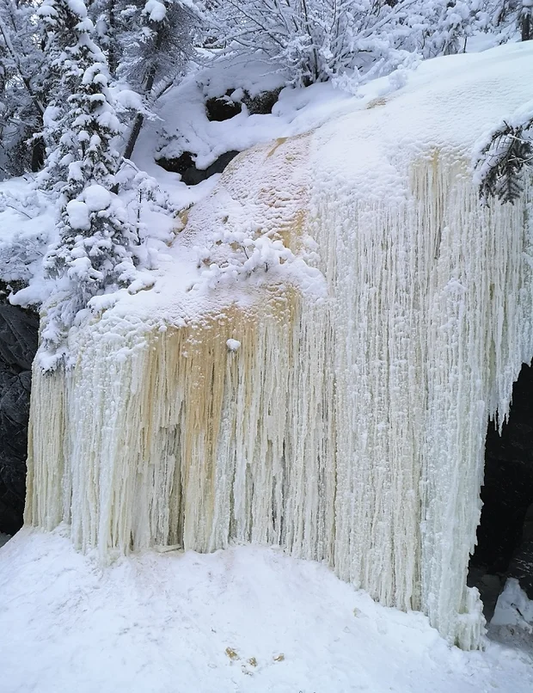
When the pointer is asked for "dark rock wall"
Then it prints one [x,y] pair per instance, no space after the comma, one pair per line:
[186,167]
[505,533]
[18,344]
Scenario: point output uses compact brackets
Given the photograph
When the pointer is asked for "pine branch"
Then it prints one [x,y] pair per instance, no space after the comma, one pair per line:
[503,162]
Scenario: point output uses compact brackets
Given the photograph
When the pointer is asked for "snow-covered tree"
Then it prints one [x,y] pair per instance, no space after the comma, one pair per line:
[312,39]
[526,20]
[157,44]
[105,15]
[439,27]
[506,19]
[147,44]
[504,155]
[320,39]
[96,248]
[23,87]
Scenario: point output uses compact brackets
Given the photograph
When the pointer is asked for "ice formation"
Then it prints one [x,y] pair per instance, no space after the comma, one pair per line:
[347,428]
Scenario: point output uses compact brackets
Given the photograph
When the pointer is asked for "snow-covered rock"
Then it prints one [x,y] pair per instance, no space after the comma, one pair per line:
[513,608]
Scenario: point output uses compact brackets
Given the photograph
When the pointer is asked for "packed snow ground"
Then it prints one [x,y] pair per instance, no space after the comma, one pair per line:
[248,619]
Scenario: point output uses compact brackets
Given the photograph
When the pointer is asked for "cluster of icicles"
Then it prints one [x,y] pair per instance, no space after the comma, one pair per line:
[349,430]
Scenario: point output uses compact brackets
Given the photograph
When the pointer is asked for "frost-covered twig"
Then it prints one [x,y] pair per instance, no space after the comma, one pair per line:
[5,204]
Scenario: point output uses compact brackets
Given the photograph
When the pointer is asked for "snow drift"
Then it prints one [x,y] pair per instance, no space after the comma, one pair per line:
[316,368]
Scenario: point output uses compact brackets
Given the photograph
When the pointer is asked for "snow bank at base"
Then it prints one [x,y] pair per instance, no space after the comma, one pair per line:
[245,620]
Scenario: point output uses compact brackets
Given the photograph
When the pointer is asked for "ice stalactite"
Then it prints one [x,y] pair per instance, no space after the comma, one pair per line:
[349,429]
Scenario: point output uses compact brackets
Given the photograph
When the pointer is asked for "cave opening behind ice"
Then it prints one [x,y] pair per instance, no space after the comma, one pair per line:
[505,532]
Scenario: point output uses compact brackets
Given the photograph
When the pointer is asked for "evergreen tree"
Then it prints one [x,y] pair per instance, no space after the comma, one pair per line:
[147,44]
[506,156]
[96,248]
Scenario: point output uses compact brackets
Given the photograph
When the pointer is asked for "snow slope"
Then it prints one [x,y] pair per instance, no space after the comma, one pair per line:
[247,620]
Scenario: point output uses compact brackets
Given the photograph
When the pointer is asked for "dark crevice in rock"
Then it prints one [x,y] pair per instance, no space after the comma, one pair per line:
[185,166]
[221,108]
[225,107]
[18,344]
[505,533]
[521,564]
[261,104]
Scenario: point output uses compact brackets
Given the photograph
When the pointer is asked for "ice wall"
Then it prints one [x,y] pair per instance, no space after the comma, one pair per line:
[432,320]
[348,429]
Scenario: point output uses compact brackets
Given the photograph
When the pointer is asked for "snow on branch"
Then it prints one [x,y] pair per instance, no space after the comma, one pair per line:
[317,40]
[504,154]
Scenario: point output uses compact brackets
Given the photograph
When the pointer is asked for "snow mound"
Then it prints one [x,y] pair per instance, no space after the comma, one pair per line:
[514,607]
[246,619]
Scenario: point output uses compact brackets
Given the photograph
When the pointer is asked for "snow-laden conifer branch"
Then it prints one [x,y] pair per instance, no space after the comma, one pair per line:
[504,155]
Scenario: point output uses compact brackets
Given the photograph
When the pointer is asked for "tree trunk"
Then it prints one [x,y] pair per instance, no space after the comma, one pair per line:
[139,118]
[38,153]
[526,27]
[134,134]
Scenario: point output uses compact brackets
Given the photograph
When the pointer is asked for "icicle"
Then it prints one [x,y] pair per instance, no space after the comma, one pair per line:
[349,430]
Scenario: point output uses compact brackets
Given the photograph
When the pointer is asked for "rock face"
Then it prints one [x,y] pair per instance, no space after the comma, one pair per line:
[521,566]
[505,533]
[225,107]
[186,167]
[218,109]
[18,344]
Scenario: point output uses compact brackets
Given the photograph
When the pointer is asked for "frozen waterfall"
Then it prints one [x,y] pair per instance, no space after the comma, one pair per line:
[347,428]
